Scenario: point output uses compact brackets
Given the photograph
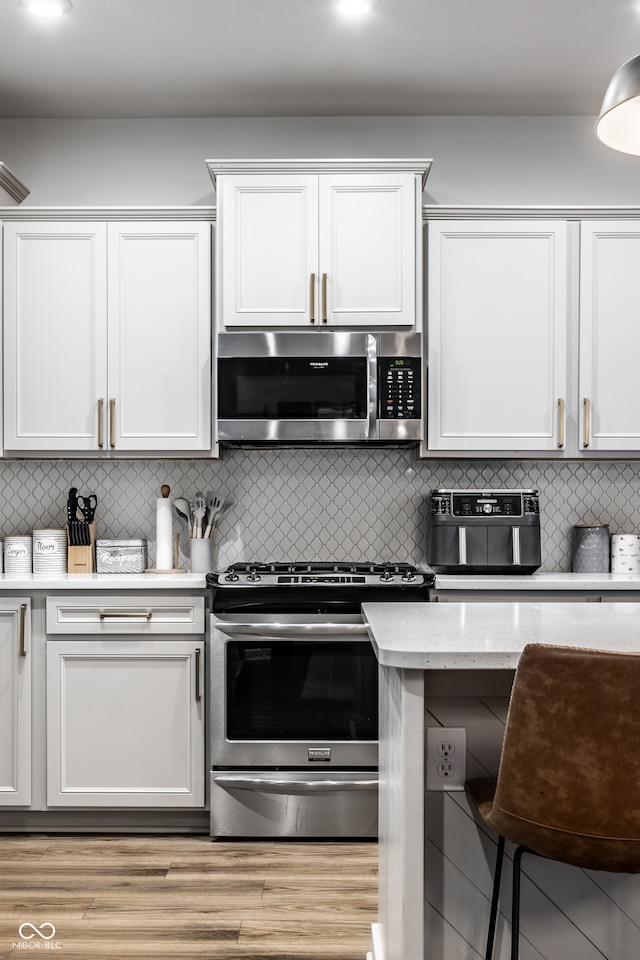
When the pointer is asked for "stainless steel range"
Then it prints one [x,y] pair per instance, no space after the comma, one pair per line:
[294,697]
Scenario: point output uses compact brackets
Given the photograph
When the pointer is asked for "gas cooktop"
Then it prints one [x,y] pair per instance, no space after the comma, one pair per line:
[318,573]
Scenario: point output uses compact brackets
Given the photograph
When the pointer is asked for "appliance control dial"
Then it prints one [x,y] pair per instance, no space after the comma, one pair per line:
[232,576]
[254,576]
[408,576]
[386,576]
[487,508]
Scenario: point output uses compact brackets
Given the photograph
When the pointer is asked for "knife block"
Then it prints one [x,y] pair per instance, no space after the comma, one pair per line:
[82,559]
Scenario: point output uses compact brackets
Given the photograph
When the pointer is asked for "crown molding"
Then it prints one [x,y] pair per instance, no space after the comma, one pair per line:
[436,212]
[419,167]
[12,185]
[108,213]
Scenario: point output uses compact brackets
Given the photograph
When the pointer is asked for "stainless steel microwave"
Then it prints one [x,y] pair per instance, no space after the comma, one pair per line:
[322,387]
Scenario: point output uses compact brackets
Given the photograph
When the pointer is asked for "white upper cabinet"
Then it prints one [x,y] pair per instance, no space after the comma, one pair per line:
[328,249]
[55,334]
[609,335]
[107,336]
[159,346]
[497,304]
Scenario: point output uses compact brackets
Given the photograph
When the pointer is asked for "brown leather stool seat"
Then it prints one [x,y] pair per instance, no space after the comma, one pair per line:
[568,785]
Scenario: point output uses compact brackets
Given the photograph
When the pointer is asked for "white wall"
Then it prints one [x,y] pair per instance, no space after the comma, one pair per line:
[477,160]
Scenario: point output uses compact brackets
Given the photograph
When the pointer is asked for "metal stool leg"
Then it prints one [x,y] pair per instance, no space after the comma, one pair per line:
[515,904]
[493,916]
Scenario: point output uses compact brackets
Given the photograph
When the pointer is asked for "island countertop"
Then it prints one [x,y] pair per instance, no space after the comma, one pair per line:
[475,635]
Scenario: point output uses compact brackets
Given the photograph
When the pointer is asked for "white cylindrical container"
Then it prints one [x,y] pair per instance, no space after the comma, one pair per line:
[202,553]
[17,554]
[164,533]
[625,553]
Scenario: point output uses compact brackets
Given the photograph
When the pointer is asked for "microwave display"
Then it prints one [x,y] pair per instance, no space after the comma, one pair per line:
[286,388]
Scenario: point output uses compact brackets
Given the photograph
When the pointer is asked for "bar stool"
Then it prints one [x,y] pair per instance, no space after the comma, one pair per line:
[573,725]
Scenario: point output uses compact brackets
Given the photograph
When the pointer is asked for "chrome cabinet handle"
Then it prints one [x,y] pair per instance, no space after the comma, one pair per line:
[462,546]
[100,424]
[112,423]
[129,614]
[23,614]
[198,695]
[324,298]
[561,423]
[312,299]
[293,786]
[586,437]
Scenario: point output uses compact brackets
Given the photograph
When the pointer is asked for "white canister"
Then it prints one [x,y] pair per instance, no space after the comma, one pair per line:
[17,554]
[625,553]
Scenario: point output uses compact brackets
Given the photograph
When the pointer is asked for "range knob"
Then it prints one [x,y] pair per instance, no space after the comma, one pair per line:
[408,576]
[232,576]
[254,576]
[386,576]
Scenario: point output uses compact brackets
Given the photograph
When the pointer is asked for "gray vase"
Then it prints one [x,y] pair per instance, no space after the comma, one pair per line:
[590,548]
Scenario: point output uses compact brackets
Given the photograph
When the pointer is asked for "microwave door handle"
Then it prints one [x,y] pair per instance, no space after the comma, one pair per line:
[372,392]
[231,782]
[283,631]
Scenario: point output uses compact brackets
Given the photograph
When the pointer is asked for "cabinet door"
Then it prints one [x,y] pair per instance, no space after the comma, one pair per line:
[267,250]
[54,335]
[609,335]
[367,271]
[497,334]
[159,336]
[125,723]
[15,703]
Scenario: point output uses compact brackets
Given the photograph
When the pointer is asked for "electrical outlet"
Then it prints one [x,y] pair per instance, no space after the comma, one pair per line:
[446,758]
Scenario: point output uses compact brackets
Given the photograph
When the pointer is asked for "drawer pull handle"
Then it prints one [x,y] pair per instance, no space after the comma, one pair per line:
[198,653]
[129,615]
[23,614]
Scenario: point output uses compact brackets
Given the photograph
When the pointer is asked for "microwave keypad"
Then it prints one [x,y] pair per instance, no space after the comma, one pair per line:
[399,386]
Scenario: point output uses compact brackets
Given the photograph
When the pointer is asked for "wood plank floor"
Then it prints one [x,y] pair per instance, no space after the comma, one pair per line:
[169,898]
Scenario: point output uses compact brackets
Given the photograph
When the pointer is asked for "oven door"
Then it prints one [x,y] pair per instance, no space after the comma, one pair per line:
[294,690]
[293,387]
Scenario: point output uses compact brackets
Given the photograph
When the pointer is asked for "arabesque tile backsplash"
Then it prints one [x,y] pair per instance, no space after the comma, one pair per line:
[316,503]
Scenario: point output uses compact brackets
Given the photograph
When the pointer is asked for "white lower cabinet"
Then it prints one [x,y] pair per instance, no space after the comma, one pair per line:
[15,702]
[125,722]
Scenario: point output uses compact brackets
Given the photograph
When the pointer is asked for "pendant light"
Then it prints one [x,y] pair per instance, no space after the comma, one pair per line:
[618,125]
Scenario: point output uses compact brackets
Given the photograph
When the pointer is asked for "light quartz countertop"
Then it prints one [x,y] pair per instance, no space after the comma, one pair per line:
[480,636]
[538,581]
[103,581]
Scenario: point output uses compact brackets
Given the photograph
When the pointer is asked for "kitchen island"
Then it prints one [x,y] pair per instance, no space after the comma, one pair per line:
[435,858]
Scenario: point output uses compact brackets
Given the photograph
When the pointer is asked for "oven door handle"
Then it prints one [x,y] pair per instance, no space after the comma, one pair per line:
[261,785]
[284,631]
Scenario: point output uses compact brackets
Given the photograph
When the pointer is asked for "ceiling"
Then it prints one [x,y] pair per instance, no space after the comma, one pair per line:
[267,58]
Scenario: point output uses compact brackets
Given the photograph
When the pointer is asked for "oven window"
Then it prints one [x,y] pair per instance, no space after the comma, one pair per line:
[301,690]
[293,388]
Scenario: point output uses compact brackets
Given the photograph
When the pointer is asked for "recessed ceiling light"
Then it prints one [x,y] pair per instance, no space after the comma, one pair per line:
[355,8]
[47,9]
